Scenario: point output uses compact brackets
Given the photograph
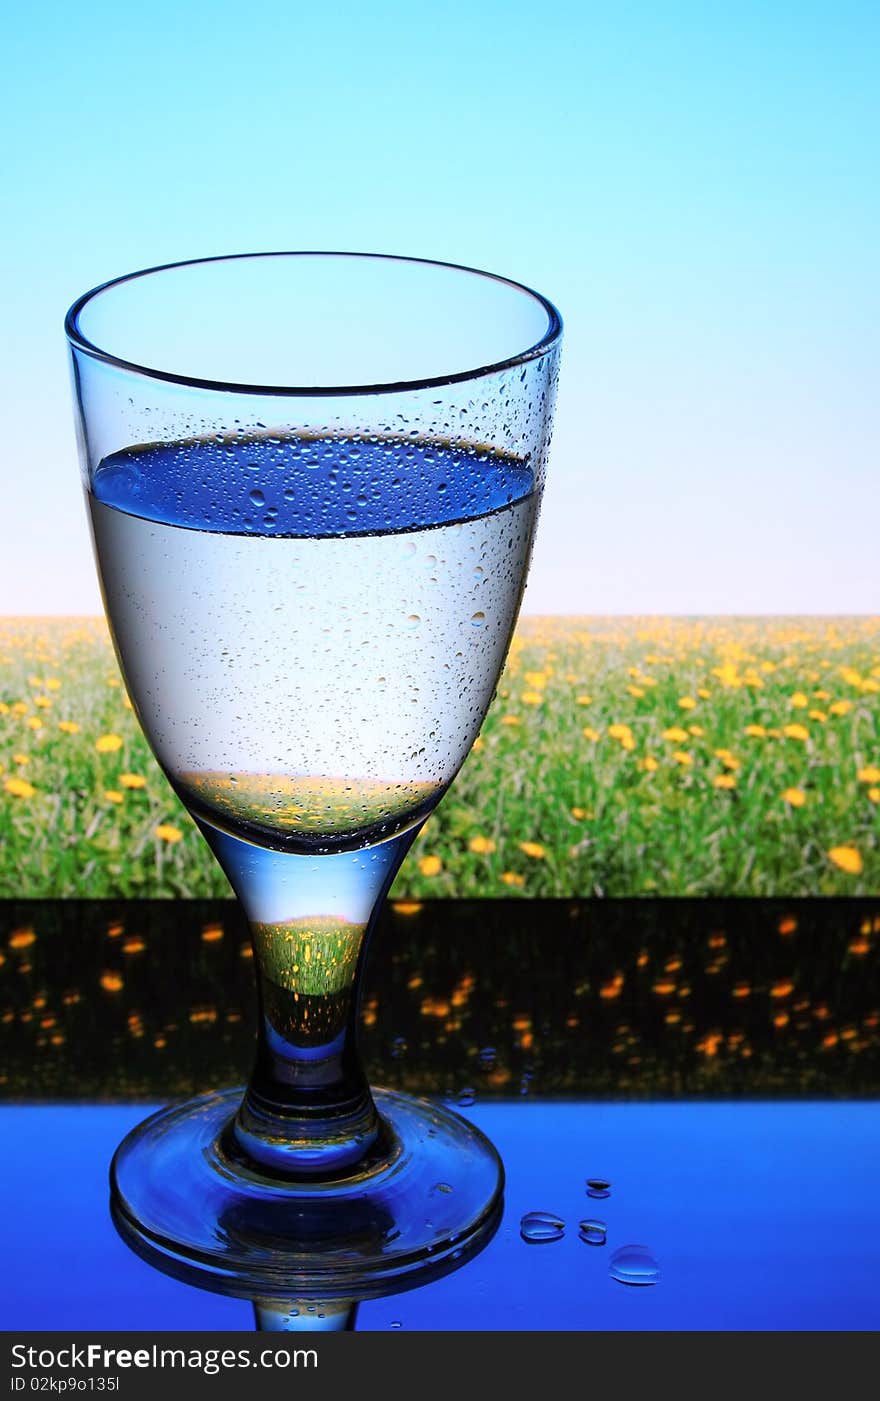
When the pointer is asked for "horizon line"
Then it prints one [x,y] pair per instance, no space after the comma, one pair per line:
[523,617]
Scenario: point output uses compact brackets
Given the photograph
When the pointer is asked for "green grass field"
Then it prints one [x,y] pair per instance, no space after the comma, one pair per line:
[621,757]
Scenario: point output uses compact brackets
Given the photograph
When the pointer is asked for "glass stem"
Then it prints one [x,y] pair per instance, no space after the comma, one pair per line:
[308,1112]
[302,1316]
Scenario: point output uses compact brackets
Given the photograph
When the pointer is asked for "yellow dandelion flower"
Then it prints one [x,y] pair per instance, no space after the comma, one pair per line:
[70,727]
[724,780]
[132,780]
[583,700]
[589,733]
[870,686]
[636,691]
[687,703]
[481,846]
[842,707]
[43,702]
[532,698]
[756,731]
[579,814]
[847,858]
[34,723]
[510,720]
[822,695]
[728,675]
[21,759]
[619,731]
[430,865]
[513,878]
[108,744]
[682,758]
[795,797]
[874,795]
[696,730]
[703,693]
[4,708]
[799,701]
[113,795]
[729,760]
[818,715]
[167,833]
[649,764]
[19,708]
[19,788]
[869,775]
[676,734]
[533,850]
[536,679]
[796,732]
[52,683]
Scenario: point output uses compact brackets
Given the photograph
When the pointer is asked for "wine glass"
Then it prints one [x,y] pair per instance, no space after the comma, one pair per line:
[312,482]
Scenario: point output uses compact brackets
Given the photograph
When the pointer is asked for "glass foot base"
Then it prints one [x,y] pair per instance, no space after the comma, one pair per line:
[187,1206]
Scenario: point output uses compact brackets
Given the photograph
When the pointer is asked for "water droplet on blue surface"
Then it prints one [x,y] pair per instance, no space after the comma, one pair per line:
[634,1264]
[592,1232]
[478,619]
[598,1188]
[466,1097]
[536,1227]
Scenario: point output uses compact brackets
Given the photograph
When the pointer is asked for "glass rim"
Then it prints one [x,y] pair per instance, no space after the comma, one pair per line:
[79,341]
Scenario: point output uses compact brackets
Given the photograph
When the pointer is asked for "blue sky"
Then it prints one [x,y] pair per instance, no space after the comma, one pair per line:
[695,186]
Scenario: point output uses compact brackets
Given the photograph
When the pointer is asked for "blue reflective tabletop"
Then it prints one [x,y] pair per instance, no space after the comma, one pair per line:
[761,1216]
